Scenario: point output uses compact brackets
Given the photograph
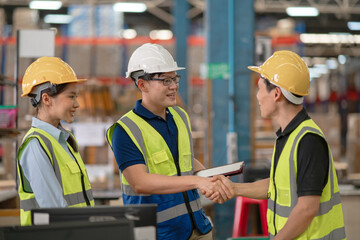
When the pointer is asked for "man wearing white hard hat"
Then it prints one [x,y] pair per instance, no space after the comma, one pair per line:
[302,191]
[152,145]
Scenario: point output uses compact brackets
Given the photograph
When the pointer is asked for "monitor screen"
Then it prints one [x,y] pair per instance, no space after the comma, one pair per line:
[109,230]
[143,216]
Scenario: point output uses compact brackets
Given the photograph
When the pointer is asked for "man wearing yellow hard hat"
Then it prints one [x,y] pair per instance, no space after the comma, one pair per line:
[50,169]
[302,191]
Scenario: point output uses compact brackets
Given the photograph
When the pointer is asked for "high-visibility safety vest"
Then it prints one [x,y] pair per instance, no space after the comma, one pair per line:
[174,211]
[328,223]
[71,175]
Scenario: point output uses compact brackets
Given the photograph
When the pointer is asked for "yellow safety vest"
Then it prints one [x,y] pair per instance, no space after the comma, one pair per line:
[328,223]
[156,153]
[173,212]
[71,175]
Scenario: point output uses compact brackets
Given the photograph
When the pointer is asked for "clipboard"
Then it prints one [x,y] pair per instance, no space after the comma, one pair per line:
[226,170]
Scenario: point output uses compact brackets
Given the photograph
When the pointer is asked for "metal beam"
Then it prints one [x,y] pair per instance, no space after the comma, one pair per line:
[180,29]
[217,52]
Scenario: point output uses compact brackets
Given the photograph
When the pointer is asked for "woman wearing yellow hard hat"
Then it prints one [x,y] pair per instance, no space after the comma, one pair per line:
[302,191]
[50,169]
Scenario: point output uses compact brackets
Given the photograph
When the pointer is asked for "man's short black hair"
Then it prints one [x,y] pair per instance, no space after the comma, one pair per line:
[143,75]
[268,84]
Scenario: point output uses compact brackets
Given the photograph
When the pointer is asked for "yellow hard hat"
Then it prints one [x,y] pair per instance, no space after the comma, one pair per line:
[47,69]
[287,70]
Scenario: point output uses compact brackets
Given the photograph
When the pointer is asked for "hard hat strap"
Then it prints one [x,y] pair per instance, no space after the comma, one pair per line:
[290,97]
[293,99]
[37,92]
[297,100]
[141,74]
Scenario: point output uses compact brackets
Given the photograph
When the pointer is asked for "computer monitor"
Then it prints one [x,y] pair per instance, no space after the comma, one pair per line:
[109,230]
[143,216]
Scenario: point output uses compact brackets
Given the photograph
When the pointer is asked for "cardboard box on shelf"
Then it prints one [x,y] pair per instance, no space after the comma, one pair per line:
[25,18]
[330,125]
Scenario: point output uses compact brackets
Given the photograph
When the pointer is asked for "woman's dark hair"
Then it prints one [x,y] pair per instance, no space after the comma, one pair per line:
[58,89]
[53,91]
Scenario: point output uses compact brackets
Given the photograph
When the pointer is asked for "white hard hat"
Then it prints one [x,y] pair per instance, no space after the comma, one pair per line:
[151,58]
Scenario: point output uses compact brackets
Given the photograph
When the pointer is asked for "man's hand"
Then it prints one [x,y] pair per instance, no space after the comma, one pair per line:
[208,188]
[227,187]
[215,190]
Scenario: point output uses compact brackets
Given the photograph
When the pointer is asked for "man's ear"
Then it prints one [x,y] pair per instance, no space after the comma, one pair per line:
[277,94]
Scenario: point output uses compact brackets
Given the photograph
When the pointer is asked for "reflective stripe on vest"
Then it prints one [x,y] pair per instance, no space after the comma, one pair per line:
[185,120]
[71,199]
[325,207]
[180,209]
[335,234]
[51,150]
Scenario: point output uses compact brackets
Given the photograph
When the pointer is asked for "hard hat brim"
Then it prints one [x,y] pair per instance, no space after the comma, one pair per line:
[255,69]
[163,71]
[77,80]
[260,71]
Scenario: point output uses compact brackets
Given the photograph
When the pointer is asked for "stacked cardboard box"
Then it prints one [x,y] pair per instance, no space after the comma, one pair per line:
[330,125]
[25,18]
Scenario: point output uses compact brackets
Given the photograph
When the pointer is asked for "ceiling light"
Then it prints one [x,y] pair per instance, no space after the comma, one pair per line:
[332,63]
[354,26]
[129,33]
[47,5]
[302,11]
[161,34]
[312,38]
[129,7]
[58,18]
[342,59]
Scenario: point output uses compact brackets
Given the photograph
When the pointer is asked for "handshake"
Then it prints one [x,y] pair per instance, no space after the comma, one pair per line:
[218,188]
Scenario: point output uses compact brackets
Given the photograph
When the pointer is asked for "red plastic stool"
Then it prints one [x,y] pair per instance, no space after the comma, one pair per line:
[242,214]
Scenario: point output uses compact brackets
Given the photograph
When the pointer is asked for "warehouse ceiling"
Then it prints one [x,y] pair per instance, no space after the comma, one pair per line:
[334,14]
[342,9]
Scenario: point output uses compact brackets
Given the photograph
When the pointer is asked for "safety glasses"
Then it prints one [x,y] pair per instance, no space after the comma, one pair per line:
[168,80]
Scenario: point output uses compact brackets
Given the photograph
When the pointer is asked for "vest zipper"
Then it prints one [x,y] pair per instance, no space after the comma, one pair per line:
[82,181]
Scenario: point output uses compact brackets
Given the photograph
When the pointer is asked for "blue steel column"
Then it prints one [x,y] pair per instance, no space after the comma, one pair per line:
[217,52]
[180,29]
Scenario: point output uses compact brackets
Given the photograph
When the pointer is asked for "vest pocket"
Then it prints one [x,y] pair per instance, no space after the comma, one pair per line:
[161,163]
[284,197]
[73,167]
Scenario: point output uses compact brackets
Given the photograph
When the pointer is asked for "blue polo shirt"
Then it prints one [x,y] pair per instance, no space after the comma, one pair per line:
[125,151]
